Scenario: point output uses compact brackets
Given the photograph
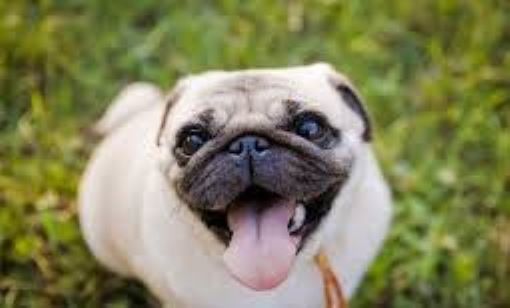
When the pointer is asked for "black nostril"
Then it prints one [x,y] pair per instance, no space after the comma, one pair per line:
[236,147]
[247,144]
[261,144]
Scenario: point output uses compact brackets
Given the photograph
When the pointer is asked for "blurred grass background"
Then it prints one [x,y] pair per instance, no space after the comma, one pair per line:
[435,74]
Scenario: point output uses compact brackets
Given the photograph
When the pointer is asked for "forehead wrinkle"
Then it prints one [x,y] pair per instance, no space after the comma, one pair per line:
[206,117]
[277,99]
[241,96]
[248,83]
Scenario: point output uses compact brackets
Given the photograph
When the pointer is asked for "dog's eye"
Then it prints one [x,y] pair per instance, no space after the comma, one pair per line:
[192,141]
[309,127]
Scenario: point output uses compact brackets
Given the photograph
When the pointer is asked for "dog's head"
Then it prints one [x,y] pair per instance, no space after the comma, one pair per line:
[259,157]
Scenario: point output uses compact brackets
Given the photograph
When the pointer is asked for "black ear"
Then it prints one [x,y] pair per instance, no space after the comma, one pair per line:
[171,99]
[349,95]
[354,102]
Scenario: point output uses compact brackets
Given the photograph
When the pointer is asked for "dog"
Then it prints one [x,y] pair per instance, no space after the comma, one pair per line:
[222,192]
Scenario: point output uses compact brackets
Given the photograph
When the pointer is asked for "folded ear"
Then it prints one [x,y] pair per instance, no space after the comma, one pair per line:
[353,100]
[350,96]
[170,100]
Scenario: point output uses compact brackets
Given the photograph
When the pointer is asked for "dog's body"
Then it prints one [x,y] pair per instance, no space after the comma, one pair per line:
[138,225]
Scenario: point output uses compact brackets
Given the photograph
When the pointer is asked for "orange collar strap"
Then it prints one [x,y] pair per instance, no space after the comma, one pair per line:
[332,288]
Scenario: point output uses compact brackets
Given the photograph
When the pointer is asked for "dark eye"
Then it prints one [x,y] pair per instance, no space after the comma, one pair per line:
[309,127]
[192,141]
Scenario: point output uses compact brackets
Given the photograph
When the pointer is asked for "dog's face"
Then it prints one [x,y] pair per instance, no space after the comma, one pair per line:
[259,157]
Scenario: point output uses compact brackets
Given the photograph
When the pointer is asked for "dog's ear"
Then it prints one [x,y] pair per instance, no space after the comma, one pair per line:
[170,100]
[350,96]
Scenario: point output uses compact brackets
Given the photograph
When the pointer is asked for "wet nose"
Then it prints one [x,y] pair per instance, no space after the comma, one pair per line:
[248,145]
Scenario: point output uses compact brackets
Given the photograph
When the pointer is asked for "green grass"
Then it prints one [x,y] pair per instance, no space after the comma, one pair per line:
[435,75]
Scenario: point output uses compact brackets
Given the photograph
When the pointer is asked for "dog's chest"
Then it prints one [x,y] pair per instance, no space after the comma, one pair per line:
[303,289]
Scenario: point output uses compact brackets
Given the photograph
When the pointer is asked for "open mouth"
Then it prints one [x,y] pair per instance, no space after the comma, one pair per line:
[263,232]
[307,215]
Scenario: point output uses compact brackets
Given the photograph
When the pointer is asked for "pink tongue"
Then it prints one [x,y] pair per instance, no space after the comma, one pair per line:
[261,251]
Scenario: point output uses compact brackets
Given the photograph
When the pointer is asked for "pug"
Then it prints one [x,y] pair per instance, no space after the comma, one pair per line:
[221,193]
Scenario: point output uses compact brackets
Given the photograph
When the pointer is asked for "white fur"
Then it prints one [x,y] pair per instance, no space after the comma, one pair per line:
[135,225]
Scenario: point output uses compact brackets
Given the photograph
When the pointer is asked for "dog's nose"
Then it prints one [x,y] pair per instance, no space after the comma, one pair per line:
[245,145]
